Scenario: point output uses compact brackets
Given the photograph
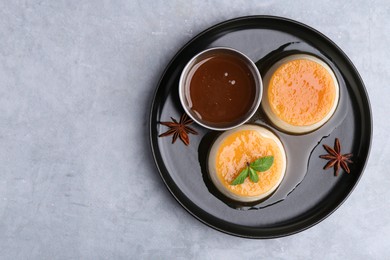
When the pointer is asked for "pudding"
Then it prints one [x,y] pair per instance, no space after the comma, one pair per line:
[236,149]
[301,93]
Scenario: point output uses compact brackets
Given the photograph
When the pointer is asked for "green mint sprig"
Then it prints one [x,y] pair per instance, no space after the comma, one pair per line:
[260,165]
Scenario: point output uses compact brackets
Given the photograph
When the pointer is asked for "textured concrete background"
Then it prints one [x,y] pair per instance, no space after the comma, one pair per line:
[77,180]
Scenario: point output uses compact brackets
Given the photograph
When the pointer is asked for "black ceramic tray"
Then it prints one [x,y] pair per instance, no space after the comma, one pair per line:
[310,194]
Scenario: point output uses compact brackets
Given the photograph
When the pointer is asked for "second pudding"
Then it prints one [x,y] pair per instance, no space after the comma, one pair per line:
[301,93]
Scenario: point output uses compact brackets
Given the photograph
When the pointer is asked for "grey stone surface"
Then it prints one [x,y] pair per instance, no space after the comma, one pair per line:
[77,180]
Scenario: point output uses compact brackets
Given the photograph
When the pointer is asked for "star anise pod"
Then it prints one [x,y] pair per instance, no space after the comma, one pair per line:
[336,159]
[179,129]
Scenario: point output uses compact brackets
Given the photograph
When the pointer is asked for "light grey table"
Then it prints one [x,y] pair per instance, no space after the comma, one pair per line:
[77,179]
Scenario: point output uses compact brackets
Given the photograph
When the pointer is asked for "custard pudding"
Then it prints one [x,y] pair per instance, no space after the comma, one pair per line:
[239,148]
[301,93]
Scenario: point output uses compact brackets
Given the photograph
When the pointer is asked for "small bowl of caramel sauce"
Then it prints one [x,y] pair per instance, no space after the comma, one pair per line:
[220,88]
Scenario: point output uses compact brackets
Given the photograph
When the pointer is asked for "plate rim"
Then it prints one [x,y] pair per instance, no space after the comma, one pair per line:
[369,128]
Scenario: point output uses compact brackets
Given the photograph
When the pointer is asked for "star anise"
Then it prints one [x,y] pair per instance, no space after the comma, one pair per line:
[179,129]
[336,159]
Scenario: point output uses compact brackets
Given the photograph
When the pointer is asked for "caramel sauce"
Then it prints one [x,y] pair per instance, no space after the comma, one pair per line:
[221,89]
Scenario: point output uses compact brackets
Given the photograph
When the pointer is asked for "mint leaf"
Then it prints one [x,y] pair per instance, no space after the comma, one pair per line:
[241,177]
[253,175]
[262,164]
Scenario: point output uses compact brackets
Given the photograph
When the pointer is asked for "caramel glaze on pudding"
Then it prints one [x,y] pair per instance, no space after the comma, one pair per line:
[232,151]
[301,93]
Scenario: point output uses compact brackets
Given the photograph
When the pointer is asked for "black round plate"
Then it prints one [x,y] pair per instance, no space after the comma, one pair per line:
[264,39]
